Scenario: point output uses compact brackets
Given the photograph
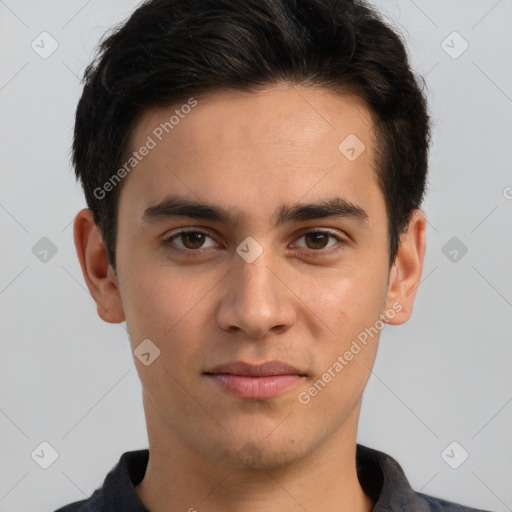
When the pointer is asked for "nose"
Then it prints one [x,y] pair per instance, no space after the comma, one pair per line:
[257,299]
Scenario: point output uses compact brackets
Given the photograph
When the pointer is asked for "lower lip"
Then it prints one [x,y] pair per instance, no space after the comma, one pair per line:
[256,388]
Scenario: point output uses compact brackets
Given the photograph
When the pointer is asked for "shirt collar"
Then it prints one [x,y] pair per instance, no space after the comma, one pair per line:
[380,476]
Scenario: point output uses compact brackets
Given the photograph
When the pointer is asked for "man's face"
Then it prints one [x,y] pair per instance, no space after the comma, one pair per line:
[318,283]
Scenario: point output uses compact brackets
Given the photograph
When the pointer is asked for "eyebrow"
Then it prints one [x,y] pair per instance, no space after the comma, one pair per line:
[176,206]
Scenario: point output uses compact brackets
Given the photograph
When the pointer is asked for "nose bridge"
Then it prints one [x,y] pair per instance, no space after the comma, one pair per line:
[256,300]
[255,279]
[256,284]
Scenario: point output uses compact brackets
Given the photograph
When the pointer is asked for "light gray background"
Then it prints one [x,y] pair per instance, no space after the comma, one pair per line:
[68,378]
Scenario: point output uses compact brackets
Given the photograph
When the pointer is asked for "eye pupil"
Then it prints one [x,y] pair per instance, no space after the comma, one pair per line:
[192,240]
[319,240]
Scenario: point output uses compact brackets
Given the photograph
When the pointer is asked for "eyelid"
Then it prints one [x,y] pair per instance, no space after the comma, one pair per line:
[334,233]
[187,229]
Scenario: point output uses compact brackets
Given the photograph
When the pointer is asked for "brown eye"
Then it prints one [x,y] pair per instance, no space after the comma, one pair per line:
[190,240]
[193,239]
[317,240]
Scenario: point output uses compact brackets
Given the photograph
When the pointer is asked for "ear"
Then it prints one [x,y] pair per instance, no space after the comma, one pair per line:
[405,274]
[98,273]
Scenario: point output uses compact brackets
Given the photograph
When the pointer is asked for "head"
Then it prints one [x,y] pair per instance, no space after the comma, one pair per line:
[298,124]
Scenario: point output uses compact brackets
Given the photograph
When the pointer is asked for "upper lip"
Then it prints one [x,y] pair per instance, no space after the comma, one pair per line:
[255,370]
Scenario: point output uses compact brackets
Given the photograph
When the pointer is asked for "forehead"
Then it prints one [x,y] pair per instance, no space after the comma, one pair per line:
[247,149]
[282,113]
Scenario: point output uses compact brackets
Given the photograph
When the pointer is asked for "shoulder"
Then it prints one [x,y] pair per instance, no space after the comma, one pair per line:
[79,506]
[384,480]
[433,504]
[118,489]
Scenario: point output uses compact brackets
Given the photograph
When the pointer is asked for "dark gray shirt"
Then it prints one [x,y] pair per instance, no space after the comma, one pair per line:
[381,477]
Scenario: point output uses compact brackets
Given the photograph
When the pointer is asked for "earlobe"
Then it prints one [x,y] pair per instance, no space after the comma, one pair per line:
[405,274]
[98,273]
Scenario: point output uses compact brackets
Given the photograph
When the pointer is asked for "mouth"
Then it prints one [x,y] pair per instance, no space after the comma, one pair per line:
[255,382]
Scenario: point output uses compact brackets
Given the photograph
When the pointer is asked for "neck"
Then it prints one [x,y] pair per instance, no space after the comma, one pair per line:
[179,478]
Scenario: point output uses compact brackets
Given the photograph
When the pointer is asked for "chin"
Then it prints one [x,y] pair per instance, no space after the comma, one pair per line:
[259,452]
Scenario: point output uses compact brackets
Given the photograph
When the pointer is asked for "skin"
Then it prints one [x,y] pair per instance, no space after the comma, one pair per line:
[252,154]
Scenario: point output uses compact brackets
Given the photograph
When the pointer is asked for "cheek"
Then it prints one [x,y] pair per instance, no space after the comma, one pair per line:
[344,310]
[169,305]
[154,295]
[347,345]
[161,305]
[344,298]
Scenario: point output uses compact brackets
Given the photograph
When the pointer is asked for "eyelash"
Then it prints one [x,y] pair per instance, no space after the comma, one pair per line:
[192,252]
